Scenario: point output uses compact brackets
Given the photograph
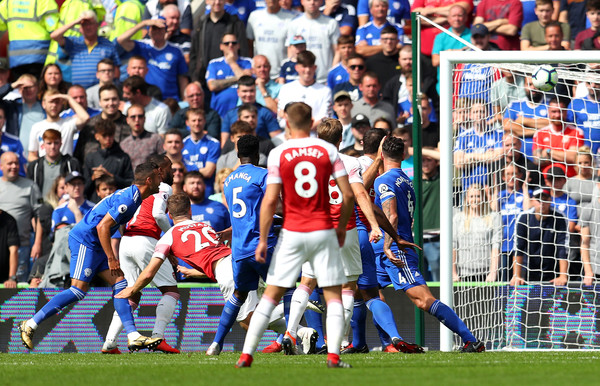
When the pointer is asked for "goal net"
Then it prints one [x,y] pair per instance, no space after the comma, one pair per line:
[518,172]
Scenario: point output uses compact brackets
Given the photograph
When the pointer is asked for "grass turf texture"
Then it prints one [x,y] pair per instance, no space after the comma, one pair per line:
[506,368]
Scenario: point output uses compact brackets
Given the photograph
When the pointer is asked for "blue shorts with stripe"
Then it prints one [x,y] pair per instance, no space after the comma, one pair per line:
[86,261]
[247,272]
[402,278]
[368,278]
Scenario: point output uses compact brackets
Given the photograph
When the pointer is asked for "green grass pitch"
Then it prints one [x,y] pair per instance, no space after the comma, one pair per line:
[491,368]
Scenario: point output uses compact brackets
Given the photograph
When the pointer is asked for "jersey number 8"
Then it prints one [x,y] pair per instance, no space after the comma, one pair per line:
[306,185]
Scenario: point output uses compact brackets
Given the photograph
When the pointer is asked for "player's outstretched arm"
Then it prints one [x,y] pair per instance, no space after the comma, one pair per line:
[143,280]
[267,210]
[104,235]
[347,207]
[365,204]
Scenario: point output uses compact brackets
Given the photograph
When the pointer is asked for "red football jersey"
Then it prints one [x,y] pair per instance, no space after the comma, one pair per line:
[303,167]
[364,163]
[195,243]
[335,194]
[548,138]
[145,221]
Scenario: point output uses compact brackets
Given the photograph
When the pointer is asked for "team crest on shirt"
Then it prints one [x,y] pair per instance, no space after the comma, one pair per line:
[396,5]
[210,210]
[203,150]
[87,272]
[122,208]
[169,56]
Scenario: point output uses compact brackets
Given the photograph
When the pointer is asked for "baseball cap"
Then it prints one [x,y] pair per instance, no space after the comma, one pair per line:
[341,94]
[555,172]
[297,39]
[540,193]
[360,120]
[72,176]
[479,30]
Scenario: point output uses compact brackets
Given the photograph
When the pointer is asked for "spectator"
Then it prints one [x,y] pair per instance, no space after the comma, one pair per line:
[173,145]
[45,170]
[175,34]
[79,95]
[408,163]
[356,66]
[321,34]
[179,172]
[399,12]
[167,68]
[370,104]
[76,206]
[239,129]
[344,14]
[8,103]
[86,50]
[29,39]
[360,125]
[287,72]
[267,90]
[503,19]
[590,234]
[342,106]
[395,89]
[555,181]
[430,130]
[141,143]
[137,66]
[159,7]
[209,31]
[581,187]
[200,151]
[339,73]
[513,154]
[584,39]
[585,113]
[554,37]
[52,79]
[204,210]
[509,88]
[105,186]
[368,36]
[105,73]
[158,115]
[240,8]
[307,90]
[477,238]
[21,198]
[540,244]
[9,142]
[267,32]
[266,125]
[53,104]
[9,250]
[218,196]
[28,110]
[108,160]
[223,74]
[557,143]
[533,33]
[194,96]
[431,213]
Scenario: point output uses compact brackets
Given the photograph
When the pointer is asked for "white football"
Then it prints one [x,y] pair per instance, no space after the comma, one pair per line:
[545,77]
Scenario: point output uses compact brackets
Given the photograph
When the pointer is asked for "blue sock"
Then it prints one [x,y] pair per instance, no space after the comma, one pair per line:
[383,336]
[315,320]
[58,302]
[448,318]
[287,300]
[228,316]
[123,307]
[279,338]
[359,324]
[382,315]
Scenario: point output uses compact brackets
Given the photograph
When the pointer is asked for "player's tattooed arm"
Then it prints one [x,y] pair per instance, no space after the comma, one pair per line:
[391,213]
[384,223]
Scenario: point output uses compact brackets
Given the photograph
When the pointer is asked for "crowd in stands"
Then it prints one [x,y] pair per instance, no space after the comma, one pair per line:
[91,89]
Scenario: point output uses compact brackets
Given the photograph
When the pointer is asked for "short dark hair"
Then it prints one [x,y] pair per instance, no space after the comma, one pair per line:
[246,80]
[389,29]
[143,171]
[306,59]
[159,159]
[105,179]
[346,39]
[193,174]
[247,107]
[179,204]
[553,24]
[393,148]
[248,146]
[369,74]
[174,132]
[239,127]
[108,87]
[372,139]
[105,61]
[592,5]
[354,55]
[135,83]
[105,127]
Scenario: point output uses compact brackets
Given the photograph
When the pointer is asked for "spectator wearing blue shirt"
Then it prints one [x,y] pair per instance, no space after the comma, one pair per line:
[556,180]
[339,73]
[367,36]
[73,210]
[200,151]
[344,14]
[267,90]
[585,112]
[9,142]
[167,68]
[223,74]
[287,72]
[397,13]
[175,36]
[356,68]
[86,50]
[267,125]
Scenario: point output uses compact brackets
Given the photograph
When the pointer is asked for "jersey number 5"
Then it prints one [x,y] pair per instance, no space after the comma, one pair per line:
[236,200]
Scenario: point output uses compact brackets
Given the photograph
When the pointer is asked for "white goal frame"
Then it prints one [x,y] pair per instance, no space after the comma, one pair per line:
[447,60]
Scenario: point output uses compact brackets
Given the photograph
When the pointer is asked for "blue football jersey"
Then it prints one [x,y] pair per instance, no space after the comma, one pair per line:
[586,114]
[63,215]
[372,34]
[398,10]
[511,207]
[224,100]
[244,190]
[121,206]
[212,213]
[337,75]
[395,184]
[164,66]
[196,154]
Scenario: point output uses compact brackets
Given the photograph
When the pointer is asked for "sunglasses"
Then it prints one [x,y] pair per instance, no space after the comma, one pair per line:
[233,43]
[177,170]
[136,116]
[357,66]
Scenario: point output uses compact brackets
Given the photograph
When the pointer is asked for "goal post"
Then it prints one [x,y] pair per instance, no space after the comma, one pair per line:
[497,324]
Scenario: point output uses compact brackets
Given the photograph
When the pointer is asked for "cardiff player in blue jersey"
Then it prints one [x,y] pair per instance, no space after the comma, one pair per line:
[396,196]
[92,253]
[244,190]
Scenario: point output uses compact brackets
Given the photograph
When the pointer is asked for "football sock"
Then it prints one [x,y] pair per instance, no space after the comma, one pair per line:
[228,316]
[348,303]
[315,320]
[448,318]
[280,338]
[335,325]
[57,303]
[385,339]
[115,328]
[258,324]
[382,314]
[359,324]
[287,301]
[164,313]
[297,307]
[123,308]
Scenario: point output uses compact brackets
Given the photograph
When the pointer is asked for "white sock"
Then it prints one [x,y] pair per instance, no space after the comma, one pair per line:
[258,324]
[164,313]
[133,335]
[335,325]
[115,328]
[348,303]
[297,308]
[31,323]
